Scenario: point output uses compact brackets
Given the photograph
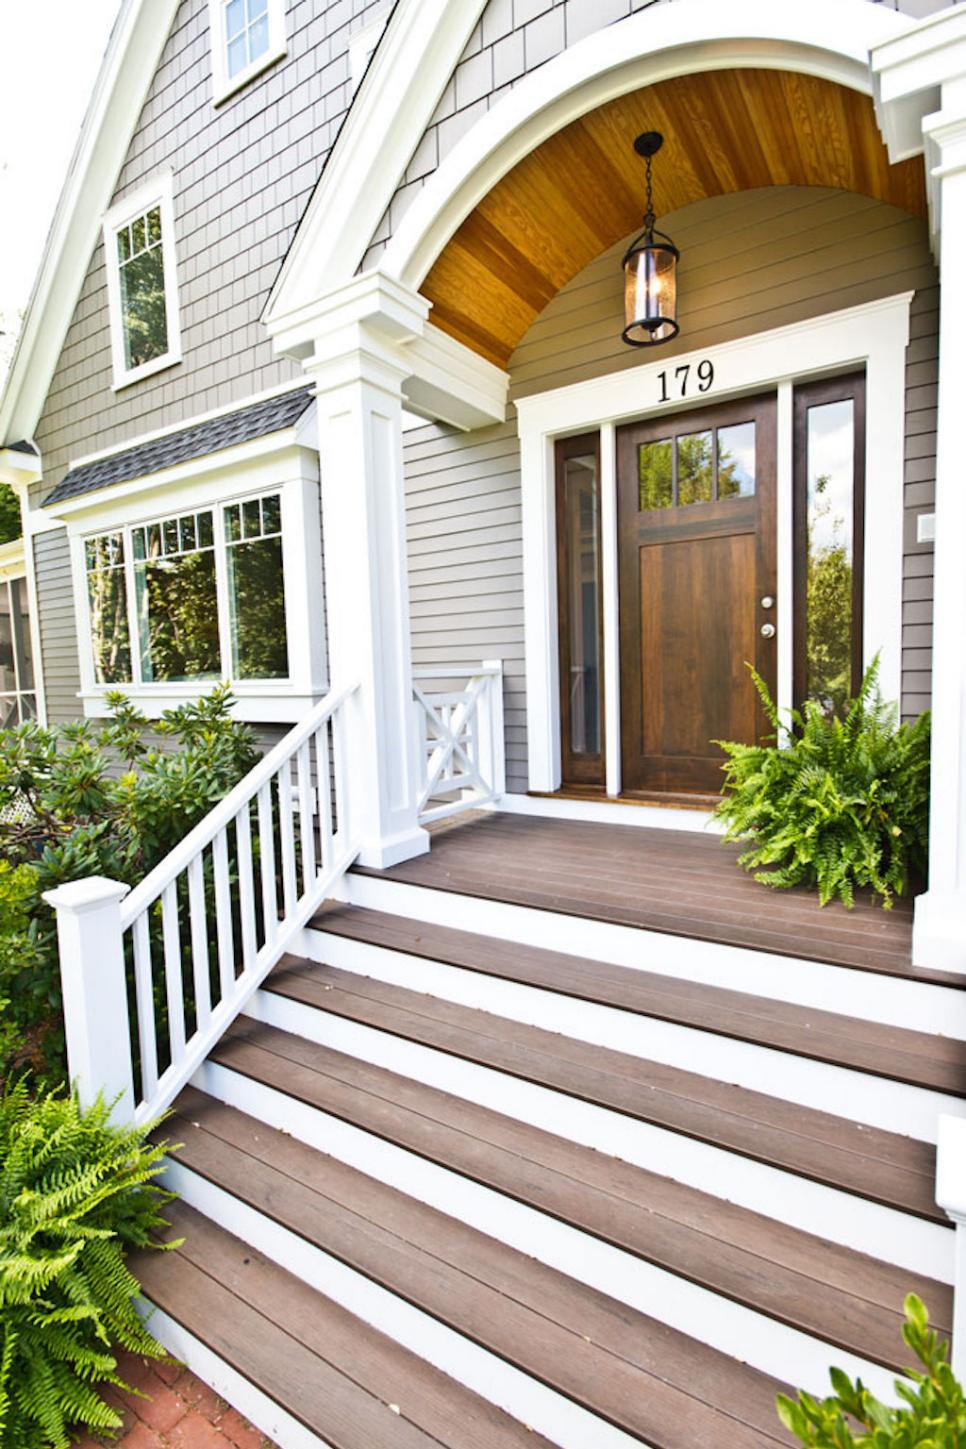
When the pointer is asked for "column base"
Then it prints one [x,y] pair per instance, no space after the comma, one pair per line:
[393,849]
[939,931]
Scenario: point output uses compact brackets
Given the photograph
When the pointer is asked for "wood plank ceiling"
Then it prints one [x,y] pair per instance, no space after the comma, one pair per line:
[582,190]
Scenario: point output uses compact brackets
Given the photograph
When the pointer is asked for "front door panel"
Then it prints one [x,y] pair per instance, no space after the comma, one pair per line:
[697,545]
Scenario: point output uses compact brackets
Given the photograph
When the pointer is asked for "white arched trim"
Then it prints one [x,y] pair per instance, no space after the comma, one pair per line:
[826,38]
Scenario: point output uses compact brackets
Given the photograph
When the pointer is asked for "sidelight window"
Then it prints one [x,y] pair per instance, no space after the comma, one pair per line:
[581,624]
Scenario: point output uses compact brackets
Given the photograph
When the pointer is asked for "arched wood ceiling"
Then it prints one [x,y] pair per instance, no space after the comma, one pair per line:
[582,190]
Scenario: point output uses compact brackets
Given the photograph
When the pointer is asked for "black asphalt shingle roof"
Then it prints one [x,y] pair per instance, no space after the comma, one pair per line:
[269,416]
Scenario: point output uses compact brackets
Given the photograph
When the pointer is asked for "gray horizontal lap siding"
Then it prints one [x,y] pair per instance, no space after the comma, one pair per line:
[792,253]
[58,633]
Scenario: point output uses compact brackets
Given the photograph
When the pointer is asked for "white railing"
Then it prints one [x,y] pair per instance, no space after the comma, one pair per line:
[178,958]
[461,734]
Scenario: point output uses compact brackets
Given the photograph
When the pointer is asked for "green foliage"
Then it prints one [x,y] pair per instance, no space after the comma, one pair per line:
[932,1415]
[11,526]
[844,803]
[75,1194]
[84,799]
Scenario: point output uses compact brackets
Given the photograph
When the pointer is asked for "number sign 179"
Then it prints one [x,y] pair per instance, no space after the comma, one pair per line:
[681,383]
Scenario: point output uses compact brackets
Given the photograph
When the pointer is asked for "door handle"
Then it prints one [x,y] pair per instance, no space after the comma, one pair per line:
[768,631]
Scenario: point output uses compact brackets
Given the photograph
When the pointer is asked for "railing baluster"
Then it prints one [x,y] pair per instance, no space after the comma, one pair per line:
[324,776]
[223,922]
[246,886]
[266,853]
[174,984]
[144,996]
[306,816]
[286,833]
[339,772]
[199,941]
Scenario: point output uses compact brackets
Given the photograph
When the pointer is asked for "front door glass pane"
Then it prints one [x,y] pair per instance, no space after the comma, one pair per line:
[655,468]
[695,468]
[736,461]
[829,552]
[582,526]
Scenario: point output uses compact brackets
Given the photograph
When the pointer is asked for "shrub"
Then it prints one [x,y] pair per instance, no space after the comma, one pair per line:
[843,804]
[86,799]
[933,1415]
[75,1194]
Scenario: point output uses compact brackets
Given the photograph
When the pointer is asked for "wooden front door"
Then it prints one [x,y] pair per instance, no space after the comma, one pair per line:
[696,507]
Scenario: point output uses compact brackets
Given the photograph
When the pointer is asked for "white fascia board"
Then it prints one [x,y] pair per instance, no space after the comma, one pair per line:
[394,104]
[13,559]
[912,75]
[132,57]
[826,38]
[18,469]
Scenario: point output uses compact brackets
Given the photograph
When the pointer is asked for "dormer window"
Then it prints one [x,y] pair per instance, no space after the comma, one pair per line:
[246,37]
[142,283]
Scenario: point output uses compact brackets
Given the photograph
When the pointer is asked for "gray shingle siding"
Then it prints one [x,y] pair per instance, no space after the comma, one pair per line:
[794,252]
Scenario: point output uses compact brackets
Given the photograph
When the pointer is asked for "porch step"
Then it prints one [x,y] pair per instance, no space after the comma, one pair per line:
[611,1376]
[918,1058]
[846,1299]
[348,1385]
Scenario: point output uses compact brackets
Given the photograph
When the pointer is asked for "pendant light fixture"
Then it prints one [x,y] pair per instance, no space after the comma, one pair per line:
[650,270]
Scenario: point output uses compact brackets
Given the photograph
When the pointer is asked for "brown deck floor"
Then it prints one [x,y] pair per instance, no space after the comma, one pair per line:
[680,882]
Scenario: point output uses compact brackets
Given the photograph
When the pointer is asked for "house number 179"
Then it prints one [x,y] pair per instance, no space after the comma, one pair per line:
[680,383]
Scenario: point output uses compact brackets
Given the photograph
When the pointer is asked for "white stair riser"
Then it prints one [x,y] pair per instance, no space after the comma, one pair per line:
[864,994]
[876,1101]
[787,1354]
[546,1411]
[240,1392]
[895,1237]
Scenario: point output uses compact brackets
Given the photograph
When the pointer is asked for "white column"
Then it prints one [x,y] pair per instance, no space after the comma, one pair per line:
[951,1197]
[94,988]
[359,374]
[939,936]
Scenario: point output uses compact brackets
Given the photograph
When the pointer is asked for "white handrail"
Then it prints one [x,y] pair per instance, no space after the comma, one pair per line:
[149,889]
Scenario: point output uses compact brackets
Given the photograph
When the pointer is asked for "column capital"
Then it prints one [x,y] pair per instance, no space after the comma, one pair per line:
[371,303]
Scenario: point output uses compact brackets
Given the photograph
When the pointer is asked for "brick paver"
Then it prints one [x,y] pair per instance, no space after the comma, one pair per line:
[173,1410]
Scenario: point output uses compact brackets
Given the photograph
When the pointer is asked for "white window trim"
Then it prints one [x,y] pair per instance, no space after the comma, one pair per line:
[158,191]
[13,565]
[874,335]
[224,85]
[290,470]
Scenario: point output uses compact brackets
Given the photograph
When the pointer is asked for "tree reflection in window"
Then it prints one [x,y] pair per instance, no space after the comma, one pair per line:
[256,588]
[829,553]
[177,599]
[107,602]
[140,259]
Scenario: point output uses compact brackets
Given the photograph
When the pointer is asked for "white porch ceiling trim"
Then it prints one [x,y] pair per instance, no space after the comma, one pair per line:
[132,57]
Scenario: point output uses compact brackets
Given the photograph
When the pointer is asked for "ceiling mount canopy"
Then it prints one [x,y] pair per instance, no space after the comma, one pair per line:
[650,268]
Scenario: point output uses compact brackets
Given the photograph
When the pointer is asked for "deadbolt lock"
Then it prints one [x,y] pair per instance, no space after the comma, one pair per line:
[768,602]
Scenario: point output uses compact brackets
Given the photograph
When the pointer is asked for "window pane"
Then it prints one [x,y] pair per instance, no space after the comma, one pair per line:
[154,540]
[137,235]
[695,472]
[251,518]
[258,38]
[829,561]
[107,603]
[177,606]
[237,55]
[154,225]
[142,307]
[206,530]
[234,18]
[23,646]
[581,527]
[256,8]
[170,528]
[272,514]
[256,592]
[124,244]
[8,677]
[232,522]
[138,542]
[736,461]
[654,466]
[188,540]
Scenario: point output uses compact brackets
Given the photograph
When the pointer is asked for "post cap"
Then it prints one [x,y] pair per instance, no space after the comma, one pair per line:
[83,895]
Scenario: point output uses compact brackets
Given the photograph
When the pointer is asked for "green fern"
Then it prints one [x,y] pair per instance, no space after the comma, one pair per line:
[75,1194]
[844,804]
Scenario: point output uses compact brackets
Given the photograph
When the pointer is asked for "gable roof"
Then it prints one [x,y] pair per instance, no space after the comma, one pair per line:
[133,52]
[227,431]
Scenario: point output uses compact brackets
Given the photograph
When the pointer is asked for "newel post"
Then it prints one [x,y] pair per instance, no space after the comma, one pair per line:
[951,1197]
[95,991]
[491,736]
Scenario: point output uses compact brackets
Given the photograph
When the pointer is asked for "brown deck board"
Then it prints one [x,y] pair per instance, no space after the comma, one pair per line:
[918,1058]
[652,1382]
[881,1166]
[821,1288]
[327,1368]
[667,881]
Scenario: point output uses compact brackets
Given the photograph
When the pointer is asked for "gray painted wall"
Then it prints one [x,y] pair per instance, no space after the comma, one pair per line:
[791,253]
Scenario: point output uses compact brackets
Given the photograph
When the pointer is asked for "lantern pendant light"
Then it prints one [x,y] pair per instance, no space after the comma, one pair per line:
[650,270]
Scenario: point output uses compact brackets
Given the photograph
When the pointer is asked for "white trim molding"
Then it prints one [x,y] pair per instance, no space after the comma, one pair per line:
[156,193]
[874,335]
[223,84]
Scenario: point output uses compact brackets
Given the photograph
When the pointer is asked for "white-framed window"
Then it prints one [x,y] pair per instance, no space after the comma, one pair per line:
[142,282]
[212,581]
[247,36]
[18,692]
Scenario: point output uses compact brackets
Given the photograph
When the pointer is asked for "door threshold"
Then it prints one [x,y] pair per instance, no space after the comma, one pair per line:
[653,798]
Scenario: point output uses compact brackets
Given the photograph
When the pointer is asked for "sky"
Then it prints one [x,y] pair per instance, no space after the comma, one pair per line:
[52,51]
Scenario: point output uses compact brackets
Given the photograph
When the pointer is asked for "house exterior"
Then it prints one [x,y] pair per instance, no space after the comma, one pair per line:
[323,390]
